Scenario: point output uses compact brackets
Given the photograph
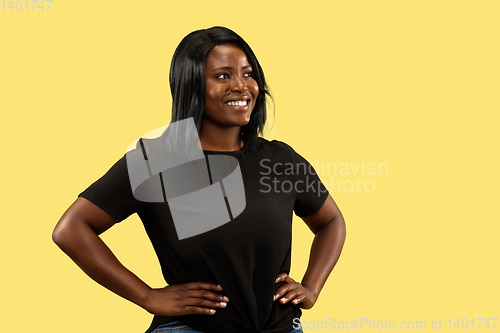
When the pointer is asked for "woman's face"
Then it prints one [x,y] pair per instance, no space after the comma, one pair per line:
[228,70]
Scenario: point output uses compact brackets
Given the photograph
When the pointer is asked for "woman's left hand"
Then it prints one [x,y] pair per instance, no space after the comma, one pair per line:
[294,292]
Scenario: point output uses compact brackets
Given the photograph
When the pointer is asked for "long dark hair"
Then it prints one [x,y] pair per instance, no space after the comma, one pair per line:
[187,79]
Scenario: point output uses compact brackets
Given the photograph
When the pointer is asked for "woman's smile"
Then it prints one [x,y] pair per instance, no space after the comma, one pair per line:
[238,104]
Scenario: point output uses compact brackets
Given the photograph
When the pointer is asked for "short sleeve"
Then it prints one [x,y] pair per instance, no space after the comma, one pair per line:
[311,194]
[113,192]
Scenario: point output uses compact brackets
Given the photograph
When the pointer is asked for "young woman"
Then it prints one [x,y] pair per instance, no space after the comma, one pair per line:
[232,278]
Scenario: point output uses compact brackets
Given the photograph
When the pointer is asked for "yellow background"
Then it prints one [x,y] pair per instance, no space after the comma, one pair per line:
[413,84]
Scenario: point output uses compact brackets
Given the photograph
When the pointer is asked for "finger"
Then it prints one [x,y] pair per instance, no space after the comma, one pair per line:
[191,309]
[203,285]
[203,302]
[289,296]
[281,291]
[281,277]
[202,293]
[299,299]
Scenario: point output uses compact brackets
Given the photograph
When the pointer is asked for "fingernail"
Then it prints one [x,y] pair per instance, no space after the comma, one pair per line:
[283,300]
[223,303]
[274,297]
[226,299]
[212,311]
[219,286]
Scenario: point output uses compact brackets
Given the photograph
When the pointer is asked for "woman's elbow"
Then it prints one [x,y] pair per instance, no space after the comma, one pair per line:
[58,235]
[62,233]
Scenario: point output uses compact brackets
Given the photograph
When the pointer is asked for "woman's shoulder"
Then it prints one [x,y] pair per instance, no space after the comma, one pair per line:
[275,145]
[276,148]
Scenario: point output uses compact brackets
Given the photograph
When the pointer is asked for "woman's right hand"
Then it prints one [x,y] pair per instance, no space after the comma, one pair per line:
[77,234]
[183,299]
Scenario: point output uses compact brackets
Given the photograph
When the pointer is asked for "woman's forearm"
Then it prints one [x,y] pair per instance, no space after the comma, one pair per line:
[81,243]
[325,252]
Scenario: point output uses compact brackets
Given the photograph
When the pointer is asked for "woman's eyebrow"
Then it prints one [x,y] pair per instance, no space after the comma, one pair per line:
[230,68]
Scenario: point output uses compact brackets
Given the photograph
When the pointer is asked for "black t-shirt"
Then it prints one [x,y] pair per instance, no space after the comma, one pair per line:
[244,255]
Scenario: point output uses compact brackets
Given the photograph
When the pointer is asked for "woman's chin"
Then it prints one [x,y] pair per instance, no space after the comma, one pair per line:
[242,120]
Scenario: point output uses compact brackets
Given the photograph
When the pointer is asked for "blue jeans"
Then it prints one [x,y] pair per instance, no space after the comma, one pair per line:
[177,326]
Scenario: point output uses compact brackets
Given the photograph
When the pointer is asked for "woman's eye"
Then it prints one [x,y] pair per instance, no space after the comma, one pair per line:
[250,74]
[222,76]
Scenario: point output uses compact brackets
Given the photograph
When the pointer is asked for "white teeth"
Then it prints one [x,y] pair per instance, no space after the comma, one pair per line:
[237,103]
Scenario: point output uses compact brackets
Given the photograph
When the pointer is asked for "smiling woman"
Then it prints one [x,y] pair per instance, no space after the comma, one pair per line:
[232,278]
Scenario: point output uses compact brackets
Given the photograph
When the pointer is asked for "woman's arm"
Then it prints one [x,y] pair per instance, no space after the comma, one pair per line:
[329,228]
[77,234]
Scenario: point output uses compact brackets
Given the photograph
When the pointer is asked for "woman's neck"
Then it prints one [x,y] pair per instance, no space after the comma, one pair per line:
[217,139]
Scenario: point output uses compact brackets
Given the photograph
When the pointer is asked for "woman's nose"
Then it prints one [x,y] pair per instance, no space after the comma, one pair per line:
[238,85]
